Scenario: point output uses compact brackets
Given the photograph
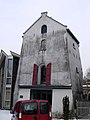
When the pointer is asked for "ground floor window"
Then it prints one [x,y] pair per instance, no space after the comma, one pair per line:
[42,95]
[7,104]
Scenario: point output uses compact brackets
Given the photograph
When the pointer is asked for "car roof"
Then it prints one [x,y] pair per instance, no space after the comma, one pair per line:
[24,101]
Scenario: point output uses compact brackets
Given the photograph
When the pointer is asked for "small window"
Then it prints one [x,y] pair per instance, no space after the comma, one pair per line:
[43,45]
[8,80]
[8,94]
[89,96]
[21,96]
[7,104]
[44,29]
[74,46]
[77,70]
[9,68]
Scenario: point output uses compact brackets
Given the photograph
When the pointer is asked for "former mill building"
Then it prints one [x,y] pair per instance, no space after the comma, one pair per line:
[50,66]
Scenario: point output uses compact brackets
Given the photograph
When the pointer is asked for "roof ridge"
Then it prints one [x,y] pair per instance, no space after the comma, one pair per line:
[57,21]
[42,14]
[32,25]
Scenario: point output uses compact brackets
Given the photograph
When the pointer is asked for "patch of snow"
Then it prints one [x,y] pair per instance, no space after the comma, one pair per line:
[5,115]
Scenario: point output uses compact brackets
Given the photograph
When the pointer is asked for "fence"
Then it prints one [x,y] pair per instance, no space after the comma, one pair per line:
[83,109]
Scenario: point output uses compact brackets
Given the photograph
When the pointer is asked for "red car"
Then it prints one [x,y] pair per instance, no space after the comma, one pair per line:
[31,110]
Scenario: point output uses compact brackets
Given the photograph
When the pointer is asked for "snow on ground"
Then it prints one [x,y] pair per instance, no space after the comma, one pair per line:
[5,115]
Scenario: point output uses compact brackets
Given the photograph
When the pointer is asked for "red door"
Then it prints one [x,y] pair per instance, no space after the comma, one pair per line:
[29,111]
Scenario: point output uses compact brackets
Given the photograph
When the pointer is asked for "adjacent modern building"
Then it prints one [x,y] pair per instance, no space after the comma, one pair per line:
[50,65]
[8,73]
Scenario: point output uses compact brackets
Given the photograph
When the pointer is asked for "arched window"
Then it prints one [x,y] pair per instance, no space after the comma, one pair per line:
[43,74]
[43,45]
[44,29]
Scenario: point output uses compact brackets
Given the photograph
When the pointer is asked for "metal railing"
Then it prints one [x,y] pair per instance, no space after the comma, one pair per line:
[83,109]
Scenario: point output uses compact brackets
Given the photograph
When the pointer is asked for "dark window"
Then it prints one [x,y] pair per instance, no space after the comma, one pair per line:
[44,29]
[43,74]
[74,46]
[29,108]
[44,108]
[8,95]
[21,96]
[8,80]
[77,70]
[41,94]
[9,66]
[89,96]
[43,45]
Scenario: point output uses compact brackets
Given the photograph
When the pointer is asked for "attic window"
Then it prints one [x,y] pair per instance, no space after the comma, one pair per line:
[44,29]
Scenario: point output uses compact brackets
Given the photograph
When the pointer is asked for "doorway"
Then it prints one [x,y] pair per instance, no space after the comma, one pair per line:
[42,95]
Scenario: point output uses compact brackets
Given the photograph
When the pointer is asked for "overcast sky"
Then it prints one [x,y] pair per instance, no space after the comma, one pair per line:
[17,15]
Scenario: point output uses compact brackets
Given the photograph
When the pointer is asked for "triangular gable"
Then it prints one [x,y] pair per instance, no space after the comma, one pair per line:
[47,17]
[32,25]
[44,14]
[57,21]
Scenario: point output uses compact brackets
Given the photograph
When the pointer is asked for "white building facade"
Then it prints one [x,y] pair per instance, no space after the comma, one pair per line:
[50,66]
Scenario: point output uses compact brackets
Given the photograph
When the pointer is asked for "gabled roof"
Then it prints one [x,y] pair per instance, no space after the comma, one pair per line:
[32,25]
[15,54]
[44,14]
[57,21]
[3,55]
[2,52]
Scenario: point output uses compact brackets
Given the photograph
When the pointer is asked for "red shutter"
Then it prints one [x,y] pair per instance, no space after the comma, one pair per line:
[48,74]
[34,79]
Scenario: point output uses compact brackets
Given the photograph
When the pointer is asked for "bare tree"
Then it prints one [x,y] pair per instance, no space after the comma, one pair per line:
[87,74]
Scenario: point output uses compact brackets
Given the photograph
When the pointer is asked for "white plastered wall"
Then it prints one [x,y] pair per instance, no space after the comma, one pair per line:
[57,97]
[25,93]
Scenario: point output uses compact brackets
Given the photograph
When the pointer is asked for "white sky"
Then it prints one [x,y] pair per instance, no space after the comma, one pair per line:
[17,15]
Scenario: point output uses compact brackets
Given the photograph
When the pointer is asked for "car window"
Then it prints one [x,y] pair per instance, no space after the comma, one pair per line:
[44,108]
[29,108]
